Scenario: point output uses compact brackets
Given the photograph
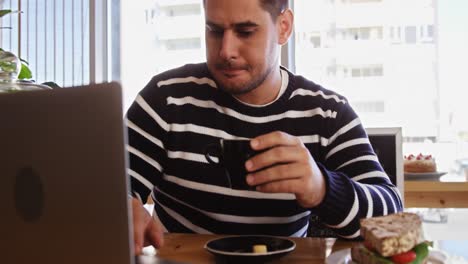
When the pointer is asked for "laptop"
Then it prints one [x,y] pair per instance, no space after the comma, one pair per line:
[63,183]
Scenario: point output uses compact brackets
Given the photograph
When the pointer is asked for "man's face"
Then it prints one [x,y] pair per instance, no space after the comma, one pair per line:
[241,44]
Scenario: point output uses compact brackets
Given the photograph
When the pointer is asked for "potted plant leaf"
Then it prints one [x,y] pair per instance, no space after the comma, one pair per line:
[15,74]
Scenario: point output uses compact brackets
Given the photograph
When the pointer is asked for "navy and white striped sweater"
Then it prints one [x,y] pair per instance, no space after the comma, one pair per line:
[181,111]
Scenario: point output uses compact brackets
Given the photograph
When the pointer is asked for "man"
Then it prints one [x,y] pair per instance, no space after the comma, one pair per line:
[318,159]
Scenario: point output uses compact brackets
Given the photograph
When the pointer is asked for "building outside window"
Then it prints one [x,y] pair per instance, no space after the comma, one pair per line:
[396,63]
[158,35]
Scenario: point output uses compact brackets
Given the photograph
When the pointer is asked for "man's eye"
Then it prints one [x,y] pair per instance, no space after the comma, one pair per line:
[245,33]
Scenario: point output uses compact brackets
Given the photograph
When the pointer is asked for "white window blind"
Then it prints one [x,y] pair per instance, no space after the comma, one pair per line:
[65,41]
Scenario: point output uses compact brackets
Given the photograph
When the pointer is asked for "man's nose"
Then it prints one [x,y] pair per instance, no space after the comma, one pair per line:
[229,46]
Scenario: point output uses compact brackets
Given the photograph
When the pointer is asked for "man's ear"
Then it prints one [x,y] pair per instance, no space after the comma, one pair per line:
[285,23]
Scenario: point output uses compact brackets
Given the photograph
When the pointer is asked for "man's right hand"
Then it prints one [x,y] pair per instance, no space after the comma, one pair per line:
[146,229]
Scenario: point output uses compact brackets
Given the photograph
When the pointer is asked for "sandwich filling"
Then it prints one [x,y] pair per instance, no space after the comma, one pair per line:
[417,255]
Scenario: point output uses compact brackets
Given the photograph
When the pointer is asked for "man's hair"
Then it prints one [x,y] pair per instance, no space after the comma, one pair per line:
[274,7]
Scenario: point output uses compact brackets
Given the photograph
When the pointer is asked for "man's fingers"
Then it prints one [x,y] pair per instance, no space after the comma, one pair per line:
[154,233]
[272,139]
[285,186]
[276,173]
[276,155]
[140,220]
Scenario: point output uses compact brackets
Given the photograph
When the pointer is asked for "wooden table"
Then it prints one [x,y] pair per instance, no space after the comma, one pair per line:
[436,194]
[188,248]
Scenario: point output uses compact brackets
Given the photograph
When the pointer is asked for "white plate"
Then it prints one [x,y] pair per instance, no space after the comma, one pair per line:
[424,176]
[340,257]
[344,257]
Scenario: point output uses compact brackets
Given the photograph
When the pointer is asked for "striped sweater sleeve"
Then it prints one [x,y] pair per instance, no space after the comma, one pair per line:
[146,131]
[357,185]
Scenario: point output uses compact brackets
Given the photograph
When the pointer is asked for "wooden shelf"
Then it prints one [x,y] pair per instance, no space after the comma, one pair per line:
[434,194]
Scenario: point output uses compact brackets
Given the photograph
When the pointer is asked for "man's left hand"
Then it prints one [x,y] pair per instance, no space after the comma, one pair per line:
[285,166]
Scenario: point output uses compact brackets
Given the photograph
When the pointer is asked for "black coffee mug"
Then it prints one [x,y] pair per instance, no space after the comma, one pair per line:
[232,154]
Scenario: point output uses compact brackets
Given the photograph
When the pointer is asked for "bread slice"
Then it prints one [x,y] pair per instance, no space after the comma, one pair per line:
[362,255]
[392,234]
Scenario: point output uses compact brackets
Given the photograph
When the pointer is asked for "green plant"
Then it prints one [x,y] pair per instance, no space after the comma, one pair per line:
[5,12]
[25,72]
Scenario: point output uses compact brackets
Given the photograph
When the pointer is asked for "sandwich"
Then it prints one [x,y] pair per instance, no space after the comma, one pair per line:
[394,238]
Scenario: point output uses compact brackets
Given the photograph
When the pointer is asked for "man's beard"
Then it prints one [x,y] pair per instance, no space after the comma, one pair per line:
[245,87]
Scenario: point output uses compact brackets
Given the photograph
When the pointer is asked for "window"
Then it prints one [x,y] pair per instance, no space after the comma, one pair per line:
[363,71]
[177,10]
[369,106]
[427,34]
[430,31]
[60,39]
[158,35]
[398,62]
[364,1]
[410,34]
[182,44]
[360,33]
